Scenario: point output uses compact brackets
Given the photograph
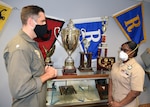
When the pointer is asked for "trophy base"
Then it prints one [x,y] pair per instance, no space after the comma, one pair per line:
[69,71]
[83,69]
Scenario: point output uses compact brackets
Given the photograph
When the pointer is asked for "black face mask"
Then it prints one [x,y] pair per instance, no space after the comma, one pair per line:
[41,30]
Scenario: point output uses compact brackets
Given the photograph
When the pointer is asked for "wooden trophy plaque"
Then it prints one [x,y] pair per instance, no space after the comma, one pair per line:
[105,63]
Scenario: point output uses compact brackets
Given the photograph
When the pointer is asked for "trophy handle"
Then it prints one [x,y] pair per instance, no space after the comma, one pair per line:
[83,38]
[55,29]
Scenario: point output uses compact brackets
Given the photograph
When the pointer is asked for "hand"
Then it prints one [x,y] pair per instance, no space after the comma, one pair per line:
[114,104]
[109,103]
[50,71]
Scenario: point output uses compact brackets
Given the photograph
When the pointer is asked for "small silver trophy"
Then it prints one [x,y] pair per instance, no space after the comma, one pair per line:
[104,23]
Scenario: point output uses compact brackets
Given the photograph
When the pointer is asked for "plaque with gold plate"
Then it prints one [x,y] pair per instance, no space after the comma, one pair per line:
[105,63]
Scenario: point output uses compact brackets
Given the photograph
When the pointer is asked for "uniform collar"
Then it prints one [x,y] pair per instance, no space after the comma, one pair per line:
[26,37]
[129,63]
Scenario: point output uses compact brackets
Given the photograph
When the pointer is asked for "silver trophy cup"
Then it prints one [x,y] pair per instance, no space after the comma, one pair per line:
[70,38]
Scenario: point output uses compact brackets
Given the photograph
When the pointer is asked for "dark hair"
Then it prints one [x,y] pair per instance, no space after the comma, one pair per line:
[133,46]
[30,11]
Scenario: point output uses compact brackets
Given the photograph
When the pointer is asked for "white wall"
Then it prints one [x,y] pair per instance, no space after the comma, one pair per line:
[66,9]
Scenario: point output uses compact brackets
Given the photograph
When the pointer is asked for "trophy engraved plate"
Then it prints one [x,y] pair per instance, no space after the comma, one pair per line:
[105,63]
[70,37]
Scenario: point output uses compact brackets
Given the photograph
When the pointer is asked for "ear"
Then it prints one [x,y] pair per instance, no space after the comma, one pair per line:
[30,22]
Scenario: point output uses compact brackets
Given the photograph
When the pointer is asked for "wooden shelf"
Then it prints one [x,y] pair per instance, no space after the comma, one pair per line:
[82,76]
[79,75]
